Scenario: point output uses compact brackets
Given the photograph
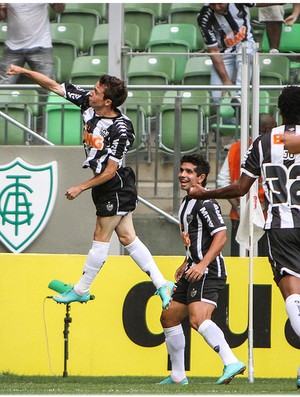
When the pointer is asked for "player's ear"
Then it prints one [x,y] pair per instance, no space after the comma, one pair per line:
[201,178]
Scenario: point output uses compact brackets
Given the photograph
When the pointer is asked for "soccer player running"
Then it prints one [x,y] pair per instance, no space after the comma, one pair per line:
[108,134]
[269,158]
[200,278]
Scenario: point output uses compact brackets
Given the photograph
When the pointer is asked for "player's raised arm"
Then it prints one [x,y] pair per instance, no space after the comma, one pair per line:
[38,78]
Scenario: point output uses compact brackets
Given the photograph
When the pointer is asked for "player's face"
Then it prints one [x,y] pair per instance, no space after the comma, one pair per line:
[96,98]
[219,8]
[187,176]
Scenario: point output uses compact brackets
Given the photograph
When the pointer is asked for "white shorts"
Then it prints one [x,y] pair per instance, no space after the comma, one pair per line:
[271,14]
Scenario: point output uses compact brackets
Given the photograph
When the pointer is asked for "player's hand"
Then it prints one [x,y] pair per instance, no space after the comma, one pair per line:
[194,273]
[197,191]
[73,192]
[14,69]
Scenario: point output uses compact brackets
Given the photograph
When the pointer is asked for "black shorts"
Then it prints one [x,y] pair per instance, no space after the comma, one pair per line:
[118,196]
[284,252]
[207,289]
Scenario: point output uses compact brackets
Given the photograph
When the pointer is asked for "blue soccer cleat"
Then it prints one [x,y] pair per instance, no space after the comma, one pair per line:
[230,371]
[170,381]
[71,296]
[165,292]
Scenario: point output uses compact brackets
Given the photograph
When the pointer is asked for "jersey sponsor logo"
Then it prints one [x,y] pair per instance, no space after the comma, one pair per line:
[206,216]
[27,198]
[277,139]
[186,239]
[232,39]
[94,141]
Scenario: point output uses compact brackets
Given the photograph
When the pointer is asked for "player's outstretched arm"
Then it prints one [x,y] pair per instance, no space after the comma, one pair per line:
[38,78]
[237,189]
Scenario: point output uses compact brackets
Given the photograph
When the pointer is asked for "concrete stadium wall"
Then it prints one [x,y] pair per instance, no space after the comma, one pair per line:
[119,332]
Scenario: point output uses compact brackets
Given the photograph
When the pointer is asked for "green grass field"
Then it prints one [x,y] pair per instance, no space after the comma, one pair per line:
[13,384]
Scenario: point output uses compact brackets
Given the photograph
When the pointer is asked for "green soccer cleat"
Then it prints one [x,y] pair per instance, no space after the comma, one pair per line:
[71,296]
[230,371]
[298,382]
[170,381]
[165,292]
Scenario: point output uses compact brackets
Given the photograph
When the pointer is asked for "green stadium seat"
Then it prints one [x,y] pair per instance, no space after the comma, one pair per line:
[3,35]
[21,106]
[194,107]
[67,41]
[137,108]
[63,121]
[274,69]
[289,40]
[152,70]
[144,15]
[99,43]
[197,70]
[87,69]
[174,38]
[86,15]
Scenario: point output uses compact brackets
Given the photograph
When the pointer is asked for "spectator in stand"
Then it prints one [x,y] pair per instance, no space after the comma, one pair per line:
[224,27]
[230,173]
[273,17]
[28,38]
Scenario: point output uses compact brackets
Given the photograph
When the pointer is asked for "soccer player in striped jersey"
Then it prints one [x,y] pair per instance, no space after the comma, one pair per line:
[200,278]
[279,168]
[108,134]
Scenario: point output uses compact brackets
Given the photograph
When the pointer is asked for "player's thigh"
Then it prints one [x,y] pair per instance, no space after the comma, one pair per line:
[174,315]
[289,285]
[105,226]
[199,312]
[125,229]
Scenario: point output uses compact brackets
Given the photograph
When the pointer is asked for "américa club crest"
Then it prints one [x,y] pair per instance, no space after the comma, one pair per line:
[27,198]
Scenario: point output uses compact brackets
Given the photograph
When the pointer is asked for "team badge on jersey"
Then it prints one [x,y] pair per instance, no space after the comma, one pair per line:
[109,206]
[27,198]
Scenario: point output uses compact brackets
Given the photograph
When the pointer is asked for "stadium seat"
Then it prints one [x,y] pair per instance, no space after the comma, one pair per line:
[144,16]
[137,108]
[21,106]
[194,107]
[151,70]
[99,43]
[87,69]
[184,13]
[174,38]
[274,69]
[3,35]
[63,121]
[197,70]
[289,40]
[82,14]
[67,40]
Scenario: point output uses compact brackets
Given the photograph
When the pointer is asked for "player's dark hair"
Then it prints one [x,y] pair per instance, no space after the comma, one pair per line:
[202,166]
[115,90]
[289,104]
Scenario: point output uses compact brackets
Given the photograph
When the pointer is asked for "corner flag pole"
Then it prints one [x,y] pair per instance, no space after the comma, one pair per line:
[253,203]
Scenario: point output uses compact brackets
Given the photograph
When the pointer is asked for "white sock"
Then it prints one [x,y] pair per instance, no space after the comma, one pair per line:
[94,261]
[214,336]
[143,258]
[175,342]
[292,306]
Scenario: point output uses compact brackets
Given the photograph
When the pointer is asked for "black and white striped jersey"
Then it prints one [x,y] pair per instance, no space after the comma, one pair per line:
[280,171]
[228,30]
[104,137]
[200,220]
